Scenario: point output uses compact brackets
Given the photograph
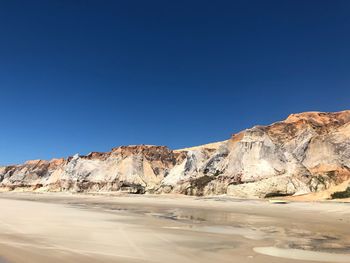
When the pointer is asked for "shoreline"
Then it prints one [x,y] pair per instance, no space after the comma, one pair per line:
[316,197]
[100,228]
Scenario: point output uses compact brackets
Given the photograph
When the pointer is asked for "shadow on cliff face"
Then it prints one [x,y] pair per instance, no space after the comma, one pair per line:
[197,185]
[132,188]
[276,194]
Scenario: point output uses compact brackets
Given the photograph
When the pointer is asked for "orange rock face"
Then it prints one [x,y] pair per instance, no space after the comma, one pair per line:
[307,152]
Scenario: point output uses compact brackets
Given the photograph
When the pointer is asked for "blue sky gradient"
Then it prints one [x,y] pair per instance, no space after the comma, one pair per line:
[81,76]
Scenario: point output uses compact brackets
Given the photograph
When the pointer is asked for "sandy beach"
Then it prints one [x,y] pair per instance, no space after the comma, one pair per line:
[87,228]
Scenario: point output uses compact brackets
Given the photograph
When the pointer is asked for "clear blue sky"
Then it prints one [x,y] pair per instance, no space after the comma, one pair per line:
[80,76]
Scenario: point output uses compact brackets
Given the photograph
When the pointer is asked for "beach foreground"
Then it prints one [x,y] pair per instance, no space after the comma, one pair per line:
[80,228]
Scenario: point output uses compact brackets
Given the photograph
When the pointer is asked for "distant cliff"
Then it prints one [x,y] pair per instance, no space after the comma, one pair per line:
[307,152]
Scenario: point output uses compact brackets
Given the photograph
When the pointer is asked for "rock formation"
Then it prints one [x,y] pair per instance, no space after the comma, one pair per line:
[307,152]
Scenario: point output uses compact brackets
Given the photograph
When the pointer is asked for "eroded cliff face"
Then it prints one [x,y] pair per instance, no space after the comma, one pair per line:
[307,152]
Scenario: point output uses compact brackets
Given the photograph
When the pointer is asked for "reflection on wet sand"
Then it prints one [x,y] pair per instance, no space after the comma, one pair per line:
[149,229]
[300,254]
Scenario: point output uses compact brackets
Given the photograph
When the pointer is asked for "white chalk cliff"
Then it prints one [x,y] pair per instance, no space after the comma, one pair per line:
[307,152]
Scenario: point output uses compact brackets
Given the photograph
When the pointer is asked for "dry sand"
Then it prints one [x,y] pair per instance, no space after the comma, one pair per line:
[79,228]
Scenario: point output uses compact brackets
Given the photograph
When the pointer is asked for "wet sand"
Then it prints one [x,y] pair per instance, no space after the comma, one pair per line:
[82,228]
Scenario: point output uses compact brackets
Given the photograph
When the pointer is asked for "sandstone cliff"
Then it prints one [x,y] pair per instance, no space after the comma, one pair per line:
[307,152]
